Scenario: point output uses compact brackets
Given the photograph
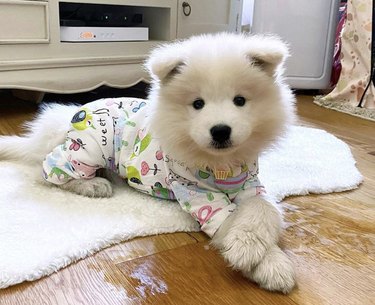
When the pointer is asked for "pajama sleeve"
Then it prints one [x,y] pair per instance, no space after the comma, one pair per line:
[209,208]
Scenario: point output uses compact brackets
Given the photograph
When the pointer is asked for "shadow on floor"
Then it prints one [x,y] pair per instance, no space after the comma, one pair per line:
[10,103]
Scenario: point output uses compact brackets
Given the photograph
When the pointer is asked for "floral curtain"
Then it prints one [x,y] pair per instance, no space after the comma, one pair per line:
[355,58]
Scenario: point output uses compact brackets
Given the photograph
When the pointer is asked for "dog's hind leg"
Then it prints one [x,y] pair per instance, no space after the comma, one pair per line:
[95,187]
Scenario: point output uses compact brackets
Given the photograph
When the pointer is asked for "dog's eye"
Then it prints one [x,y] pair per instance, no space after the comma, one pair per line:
[198,104]
[239,100]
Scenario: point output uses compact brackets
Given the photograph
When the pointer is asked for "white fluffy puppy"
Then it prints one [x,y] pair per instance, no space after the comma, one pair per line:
[216,102]
[216,69]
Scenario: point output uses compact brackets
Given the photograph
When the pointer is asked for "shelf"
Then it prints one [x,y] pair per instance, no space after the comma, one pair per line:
[77,15]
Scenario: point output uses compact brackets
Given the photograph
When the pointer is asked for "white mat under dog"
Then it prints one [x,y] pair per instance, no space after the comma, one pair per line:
[44,229]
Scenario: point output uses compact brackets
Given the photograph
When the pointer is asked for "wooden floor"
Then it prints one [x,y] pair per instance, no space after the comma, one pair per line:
[330,238]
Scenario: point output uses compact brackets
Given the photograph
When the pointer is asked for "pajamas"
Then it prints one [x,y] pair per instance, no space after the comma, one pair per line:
[113,133]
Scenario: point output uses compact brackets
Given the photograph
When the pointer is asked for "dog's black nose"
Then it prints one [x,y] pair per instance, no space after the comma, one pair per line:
[221,133]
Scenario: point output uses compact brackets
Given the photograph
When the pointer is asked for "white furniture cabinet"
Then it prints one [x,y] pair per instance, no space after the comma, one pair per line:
[32,56]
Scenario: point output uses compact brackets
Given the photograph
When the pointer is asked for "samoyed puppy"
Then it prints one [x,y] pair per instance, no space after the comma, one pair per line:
[216,102]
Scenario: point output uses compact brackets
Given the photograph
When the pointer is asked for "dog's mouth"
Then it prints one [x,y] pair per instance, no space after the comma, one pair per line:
[221,145]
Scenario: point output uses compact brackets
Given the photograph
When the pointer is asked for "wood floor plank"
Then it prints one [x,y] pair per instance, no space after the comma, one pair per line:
[193,274]
[13,113]
[199,236]
[339,123]
[94,280]
[145,246]
[80,284]
[329,238]
[334,259]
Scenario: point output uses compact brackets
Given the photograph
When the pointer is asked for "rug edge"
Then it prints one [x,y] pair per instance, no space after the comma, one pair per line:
[63,262]
[363,113]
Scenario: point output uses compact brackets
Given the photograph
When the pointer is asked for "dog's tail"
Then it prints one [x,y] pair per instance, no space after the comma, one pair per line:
[44,133]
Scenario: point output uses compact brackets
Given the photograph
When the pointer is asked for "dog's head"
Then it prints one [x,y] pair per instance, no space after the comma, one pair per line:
[219,99]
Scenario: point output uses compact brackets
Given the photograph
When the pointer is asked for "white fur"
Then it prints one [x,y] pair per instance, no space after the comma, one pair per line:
[215,68]
[42,135]
[248,242]
[95,187]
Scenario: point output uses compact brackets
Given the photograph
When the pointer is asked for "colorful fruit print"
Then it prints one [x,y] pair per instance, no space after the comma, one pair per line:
[133,175]
[142,141]
[144,168]
[159,155]
[76,144]
[203,174]
[210,196]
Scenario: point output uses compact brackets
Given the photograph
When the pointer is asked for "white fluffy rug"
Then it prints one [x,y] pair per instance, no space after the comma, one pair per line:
[44,229]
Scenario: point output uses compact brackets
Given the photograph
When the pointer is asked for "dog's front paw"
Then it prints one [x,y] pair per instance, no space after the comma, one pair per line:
[242,249]
[95,187]
[275,271]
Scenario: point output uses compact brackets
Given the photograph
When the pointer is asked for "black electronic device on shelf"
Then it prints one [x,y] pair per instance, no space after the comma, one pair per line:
[87,22]
[98,15]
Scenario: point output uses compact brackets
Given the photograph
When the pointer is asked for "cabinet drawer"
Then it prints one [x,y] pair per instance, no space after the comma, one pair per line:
[23,22]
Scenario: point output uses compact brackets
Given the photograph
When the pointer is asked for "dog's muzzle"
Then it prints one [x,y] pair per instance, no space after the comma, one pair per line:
[221,136]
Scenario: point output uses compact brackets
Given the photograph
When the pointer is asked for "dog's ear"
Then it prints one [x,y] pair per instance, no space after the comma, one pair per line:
[267,52]
[165,62]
